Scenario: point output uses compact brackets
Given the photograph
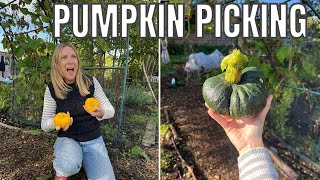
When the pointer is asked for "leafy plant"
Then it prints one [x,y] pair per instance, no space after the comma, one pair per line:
[166,160]
[295,64]
[45,177]
[37,132]
[164,132]
[109,131]
[5,97]
[138,151]
[136,95]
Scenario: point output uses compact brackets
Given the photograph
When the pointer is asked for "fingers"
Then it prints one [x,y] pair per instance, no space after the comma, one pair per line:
[98,113]
[265,110]
[71,119]
[58,128]
[97,108]
[89,111]
[217,118]
[66,128]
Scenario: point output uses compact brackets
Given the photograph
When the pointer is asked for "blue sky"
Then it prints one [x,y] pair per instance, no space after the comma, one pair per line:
[274,1]
[267,1]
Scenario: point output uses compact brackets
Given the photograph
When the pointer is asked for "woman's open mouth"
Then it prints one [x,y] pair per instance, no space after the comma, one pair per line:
[70,71]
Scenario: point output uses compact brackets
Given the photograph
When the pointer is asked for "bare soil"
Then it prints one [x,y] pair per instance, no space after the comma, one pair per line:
[24,155]
[211,155]
[210,152]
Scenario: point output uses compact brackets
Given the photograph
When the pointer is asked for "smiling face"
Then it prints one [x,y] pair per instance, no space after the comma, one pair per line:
[68,64]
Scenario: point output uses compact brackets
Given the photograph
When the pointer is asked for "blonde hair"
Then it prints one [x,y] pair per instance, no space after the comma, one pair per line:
[61,88]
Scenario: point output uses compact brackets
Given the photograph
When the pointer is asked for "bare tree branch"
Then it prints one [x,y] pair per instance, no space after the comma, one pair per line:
[26,32]
[45,11]
[8,4]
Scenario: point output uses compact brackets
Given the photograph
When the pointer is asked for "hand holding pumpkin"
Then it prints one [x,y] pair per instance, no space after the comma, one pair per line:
[92,106]
[62,120]
[244,133]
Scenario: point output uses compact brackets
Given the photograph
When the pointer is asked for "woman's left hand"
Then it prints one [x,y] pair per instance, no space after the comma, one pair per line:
[98,113]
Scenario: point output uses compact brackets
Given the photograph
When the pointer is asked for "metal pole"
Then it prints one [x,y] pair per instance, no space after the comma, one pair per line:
[123,93]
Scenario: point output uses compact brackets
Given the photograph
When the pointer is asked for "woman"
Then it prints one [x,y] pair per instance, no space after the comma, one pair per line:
[80,143]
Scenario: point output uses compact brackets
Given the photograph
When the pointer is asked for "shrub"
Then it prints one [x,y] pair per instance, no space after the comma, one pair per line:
[137,95]
[5,97]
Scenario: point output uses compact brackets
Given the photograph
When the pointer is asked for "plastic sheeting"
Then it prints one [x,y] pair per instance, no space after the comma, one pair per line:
[200,61]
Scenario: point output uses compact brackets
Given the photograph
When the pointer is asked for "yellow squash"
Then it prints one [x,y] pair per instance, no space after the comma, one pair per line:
[62,119]
[91,103]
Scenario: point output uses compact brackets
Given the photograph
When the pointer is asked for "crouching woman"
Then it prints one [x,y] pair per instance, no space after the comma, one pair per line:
[79,143]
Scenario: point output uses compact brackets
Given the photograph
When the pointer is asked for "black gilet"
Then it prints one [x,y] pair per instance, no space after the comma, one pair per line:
[85,127]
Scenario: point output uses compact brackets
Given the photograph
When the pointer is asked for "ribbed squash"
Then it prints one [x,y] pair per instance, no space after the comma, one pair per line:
[62,119]
[91,103]
[238,92]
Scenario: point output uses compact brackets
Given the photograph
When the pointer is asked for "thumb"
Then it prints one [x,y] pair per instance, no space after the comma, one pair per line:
[71,119]
[98,109]
[266,109]
[66,128]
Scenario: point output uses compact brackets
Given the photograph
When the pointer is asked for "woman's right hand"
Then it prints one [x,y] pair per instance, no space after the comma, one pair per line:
[67,126]
[244,134]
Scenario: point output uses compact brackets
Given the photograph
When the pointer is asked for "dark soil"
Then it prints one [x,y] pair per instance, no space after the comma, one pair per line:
[305,169]
[24,155]
[211,153]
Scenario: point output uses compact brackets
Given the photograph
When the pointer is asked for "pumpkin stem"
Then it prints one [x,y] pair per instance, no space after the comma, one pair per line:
[234,64]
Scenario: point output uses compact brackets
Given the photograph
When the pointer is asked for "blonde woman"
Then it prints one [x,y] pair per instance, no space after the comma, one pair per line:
[79,144]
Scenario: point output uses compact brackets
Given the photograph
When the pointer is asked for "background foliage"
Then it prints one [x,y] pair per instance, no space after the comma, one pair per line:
[27,27]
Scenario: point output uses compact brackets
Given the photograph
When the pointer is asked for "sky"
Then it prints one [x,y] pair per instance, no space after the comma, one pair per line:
[274,1]
[9,11]
[43,35]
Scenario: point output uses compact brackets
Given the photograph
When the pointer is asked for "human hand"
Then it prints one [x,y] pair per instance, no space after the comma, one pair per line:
[246,133]
[67,126]
[98,113]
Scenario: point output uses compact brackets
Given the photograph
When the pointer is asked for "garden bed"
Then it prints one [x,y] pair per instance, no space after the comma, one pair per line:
[28,154]
[210,152]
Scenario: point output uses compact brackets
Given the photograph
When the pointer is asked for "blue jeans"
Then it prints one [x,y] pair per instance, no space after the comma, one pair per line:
[70,155]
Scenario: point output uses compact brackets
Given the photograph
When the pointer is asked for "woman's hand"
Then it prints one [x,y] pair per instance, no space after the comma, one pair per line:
[98,113]
[244,134]
[67,126]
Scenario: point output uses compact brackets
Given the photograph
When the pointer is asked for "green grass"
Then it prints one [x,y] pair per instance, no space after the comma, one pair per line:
[167,69]
[138,118]
[178,59]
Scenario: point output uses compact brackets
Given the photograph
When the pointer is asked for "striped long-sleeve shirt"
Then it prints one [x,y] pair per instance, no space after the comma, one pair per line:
[256,164]
[49,107]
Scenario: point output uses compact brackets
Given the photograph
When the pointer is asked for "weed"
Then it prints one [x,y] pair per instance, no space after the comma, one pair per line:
[167,161]
[164,132]
[138,151]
